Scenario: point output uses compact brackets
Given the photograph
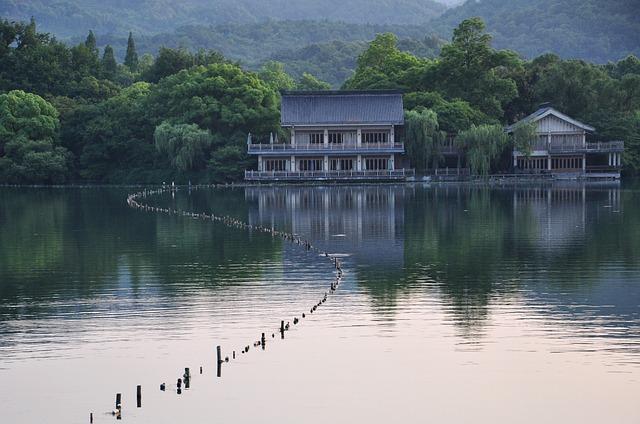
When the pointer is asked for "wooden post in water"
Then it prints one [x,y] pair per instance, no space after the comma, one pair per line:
[118,400]
[91,418]
[139,396]
[282,329]
[219,368]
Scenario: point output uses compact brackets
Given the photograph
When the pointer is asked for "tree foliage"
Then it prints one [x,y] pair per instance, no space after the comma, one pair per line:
[423,138]
[311,83]
[131,57]
[185,145]
[525,135]
[29,150]
[483,146]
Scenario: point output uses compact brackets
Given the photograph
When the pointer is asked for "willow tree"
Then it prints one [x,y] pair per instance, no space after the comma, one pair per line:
[423,138]
[524,136]
[483,146]
[186,145]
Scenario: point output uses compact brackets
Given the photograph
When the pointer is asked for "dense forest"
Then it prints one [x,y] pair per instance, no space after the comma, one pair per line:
[327,49]
[249,30]
[74,113]
[593,30]
[67,18]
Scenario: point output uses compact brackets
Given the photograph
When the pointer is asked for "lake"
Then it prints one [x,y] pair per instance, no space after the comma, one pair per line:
[459,303]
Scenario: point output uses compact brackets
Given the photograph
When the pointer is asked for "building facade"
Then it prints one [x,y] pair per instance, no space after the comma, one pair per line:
[563,151]
[335,135]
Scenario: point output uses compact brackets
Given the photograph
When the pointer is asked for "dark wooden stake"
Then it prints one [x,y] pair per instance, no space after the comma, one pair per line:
[118,400]
[219,368]
[139,396]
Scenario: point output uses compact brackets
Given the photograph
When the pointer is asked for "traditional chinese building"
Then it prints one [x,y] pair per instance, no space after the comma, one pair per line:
[335,135]
[563,151]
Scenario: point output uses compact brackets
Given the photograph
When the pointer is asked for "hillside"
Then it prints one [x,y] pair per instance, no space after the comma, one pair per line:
[67,18]
[326,49]
[593,30]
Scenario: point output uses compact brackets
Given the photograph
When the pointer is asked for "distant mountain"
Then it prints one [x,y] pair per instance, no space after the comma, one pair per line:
[328,50]
[594,30]
[67,18]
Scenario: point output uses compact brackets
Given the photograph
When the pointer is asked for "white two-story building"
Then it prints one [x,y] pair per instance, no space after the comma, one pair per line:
[562,148]
[335,135]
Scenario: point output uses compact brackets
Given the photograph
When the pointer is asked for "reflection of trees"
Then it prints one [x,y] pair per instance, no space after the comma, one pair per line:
[458,238]
[481,244]
[74,243]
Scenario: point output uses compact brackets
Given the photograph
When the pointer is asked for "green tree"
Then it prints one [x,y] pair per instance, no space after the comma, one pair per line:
[29,150]
[113,139]
[274,75]
[186,145]
[423,138]
[470,69]
[131,57]
[483,146]
[228,163]
[383,66]
[308,82]
[91,44]
[453,116]
[221,98]
[109,64]
[525,135]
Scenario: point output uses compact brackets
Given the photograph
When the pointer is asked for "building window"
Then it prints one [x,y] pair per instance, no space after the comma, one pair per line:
[336,138]
[275,165]
[376,164]
[341,164]
[316,138]
[310,165]
[375,137]
[566,163]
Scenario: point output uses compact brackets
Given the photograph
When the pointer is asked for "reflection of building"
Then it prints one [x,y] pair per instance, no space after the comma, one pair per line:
[335,135]
[562,150]
[560,214]
[366,221]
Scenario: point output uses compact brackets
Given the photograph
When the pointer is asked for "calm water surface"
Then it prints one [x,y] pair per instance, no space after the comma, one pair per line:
[459,304]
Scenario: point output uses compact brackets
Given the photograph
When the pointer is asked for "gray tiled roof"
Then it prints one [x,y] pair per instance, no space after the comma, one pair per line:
[341,107]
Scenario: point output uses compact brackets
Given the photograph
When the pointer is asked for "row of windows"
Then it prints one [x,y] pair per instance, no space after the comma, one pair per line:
[338,164]
[556,163]
[375,137]
[566,163]
[341,164]
[310,165]
[275,165]
[535,163]
[376,164]
[345,137]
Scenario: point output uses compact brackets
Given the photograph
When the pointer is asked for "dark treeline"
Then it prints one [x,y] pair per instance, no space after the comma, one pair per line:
[74,113]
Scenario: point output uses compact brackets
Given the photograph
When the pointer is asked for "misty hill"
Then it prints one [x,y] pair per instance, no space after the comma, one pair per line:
[67,18]
[326,49]
[594,30]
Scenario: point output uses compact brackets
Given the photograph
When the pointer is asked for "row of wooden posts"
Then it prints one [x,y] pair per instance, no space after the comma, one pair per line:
[134,201]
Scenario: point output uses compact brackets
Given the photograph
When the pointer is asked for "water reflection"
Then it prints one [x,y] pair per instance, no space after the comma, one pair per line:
[567,248]
[520,289]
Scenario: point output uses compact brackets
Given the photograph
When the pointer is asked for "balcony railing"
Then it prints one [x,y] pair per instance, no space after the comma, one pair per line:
[386,174]
[331,147]
[599,147]
[606,146]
